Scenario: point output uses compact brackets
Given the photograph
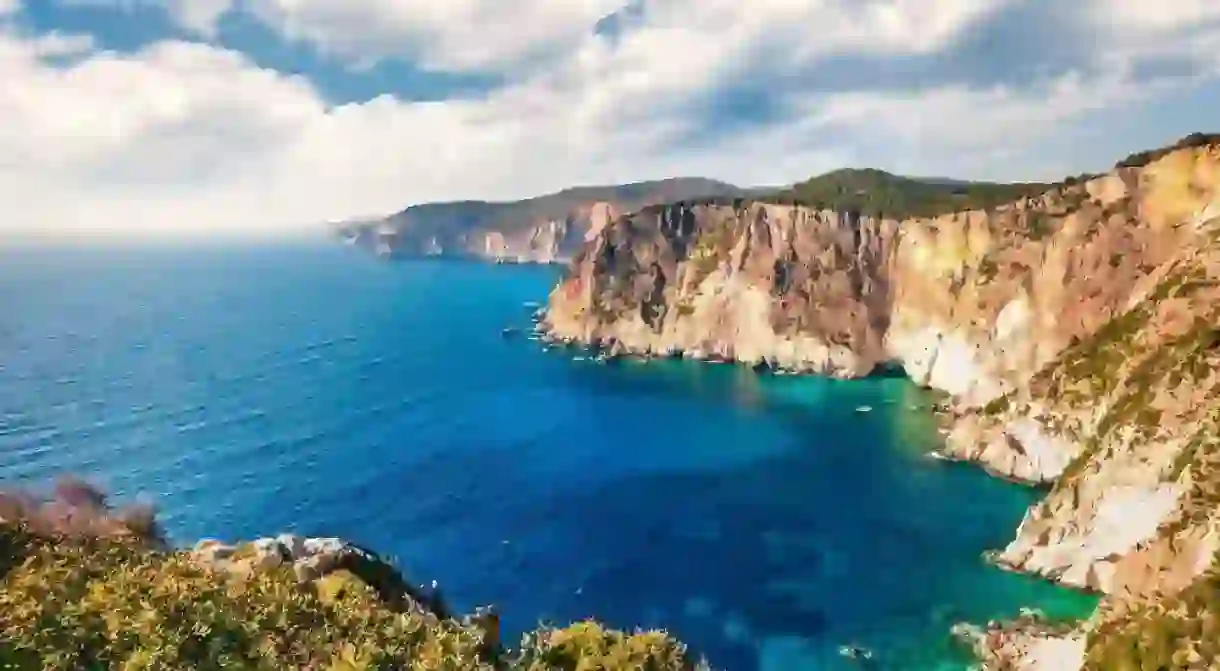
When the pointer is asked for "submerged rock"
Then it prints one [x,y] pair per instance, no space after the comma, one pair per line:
[855,652]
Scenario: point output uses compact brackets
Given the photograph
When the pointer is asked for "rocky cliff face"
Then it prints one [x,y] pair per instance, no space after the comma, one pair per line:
[1077,333]
[761,283]
[546,229]
[547,241]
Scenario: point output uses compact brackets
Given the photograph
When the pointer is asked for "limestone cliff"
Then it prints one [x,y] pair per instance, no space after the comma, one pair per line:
[546,229]
[802,288]
[1077,333]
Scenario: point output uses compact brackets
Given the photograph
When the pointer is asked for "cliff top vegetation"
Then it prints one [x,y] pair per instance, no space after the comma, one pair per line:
[85,586]
[874,192]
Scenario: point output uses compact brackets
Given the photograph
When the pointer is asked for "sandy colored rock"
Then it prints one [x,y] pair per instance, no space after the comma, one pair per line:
[1076,332]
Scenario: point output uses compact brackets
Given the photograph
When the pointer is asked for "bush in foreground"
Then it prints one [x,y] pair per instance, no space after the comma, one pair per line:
[98,595]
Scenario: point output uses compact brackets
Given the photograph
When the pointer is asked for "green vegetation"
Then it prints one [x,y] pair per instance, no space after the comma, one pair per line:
[988,269]
[589,645]
[1091,369]
[1088,369]
[875,193]
[1180,632]
[997,406]
[1039,224]
[1143,158]
[713,246]
[105,596]
[1120,365]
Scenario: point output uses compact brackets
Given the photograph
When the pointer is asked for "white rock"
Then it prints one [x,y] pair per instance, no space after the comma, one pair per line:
[1054,654]
[212,551]
[328,546]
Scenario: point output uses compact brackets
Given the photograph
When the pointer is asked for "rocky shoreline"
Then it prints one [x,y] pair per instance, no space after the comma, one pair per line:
[1073,333]
[1030,640]
[609,349]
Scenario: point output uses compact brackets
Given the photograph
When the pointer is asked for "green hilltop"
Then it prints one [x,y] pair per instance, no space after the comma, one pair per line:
[875,193]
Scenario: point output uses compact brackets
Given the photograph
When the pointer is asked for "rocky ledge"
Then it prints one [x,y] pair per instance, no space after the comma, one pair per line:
[1075,332]
[1029,641]
[83,586]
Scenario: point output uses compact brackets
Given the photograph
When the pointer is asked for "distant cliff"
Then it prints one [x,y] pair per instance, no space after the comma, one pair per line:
[1077,331]
[545,229]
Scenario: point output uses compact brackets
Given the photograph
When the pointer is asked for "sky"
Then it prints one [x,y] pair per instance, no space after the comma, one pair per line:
[268,116]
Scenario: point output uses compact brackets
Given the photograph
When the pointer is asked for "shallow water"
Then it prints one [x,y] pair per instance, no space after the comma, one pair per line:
[308,387]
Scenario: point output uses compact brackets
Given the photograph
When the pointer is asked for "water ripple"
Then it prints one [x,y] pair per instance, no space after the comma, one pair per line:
[251,391]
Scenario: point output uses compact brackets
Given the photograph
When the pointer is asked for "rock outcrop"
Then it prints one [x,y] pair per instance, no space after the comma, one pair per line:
[1077,333]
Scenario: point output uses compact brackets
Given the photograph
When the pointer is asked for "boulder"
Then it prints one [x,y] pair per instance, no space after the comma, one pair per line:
[331,565]
[213,553]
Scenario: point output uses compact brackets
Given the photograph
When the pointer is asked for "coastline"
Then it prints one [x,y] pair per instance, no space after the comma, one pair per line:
[1071,330]
[1026,639]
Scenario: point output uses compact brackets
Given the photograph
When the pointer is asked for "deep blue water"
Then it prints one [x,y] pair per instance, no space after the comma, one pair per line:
[308,387]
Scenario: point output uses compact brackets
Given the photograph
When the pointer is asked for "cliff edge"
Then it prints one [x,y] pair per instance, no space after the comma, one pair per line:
[1076,330]
[83,586]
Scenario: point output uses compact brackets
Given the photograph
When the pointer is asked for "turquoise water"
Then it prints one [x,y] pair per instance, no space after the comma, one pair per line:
[308,387]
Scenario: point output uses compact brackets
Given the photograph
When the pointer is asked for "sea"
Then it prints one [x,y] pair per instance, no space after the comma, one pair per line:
[308,387]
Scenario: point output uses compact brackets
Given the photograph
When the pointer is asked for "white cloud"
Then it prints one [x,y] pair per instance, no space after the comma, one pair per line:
[978,133]
[1145,17]
[56,44]
[187,137]
[443,34]
[199,16]
[494,35]
[8,7]
[1131,30]
[956,118]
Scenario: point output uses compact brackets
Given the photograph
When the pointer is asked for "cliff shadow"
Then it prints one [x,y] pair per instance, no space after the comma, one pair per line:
[892,369]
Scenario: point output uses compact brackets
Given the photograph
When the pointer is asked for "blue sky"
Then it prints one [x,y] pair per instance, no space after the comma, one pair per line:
[271,114]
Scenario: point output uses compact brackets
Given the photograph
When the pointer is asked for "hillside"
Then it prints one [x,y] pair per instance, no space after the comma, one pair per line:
[877,193]
[1074,331]
[544,229]
[83,586]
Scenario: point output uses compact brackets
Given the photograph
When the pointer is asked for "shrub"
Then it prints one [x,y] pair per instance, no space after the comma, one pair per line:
[111,603]
[83,587]
[1143,158]
[77,509]
[589,645]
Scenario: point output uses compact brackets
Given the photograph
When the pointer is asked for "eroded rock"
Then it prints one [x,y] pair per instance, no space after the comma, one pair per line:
[1077,334]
